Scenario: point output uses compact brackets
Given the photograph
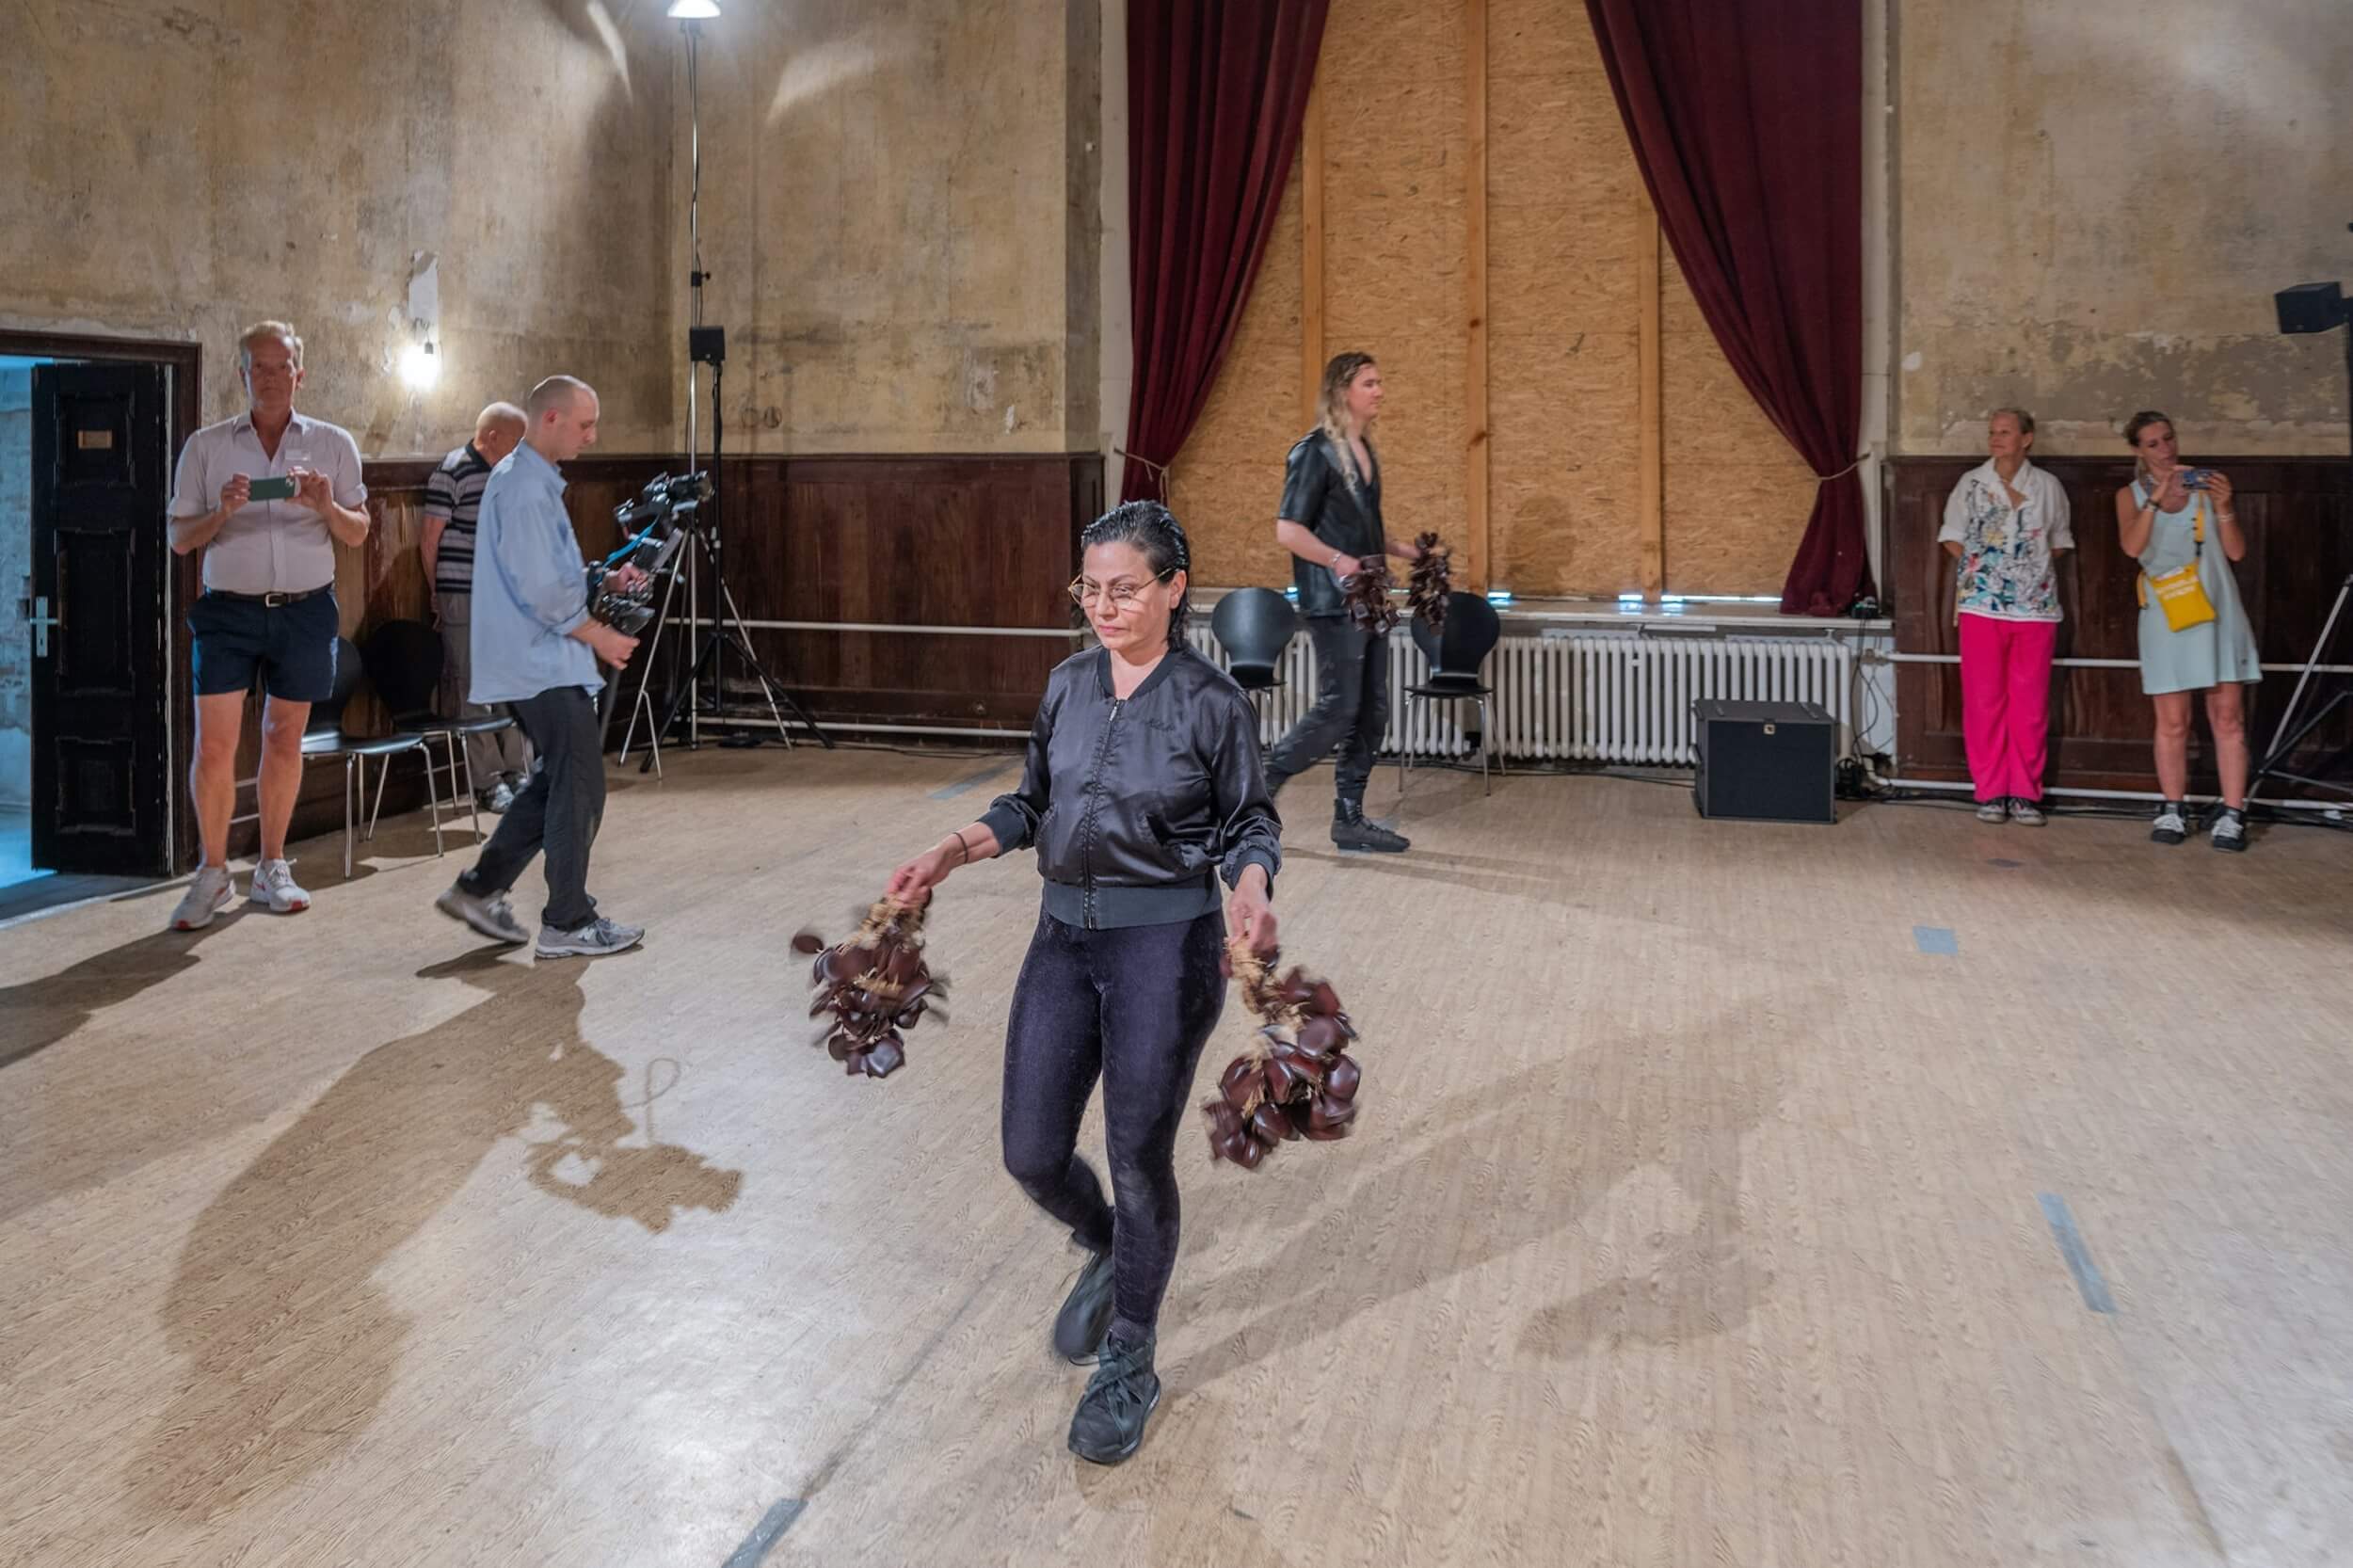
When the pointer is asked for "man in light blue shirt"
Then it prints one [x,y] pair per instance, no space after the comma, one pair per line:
[536,651]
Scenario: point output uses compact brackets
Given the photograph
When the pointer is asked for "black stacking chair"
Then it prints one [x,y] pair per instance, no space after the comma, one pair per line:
[404,661]
[1254,626]
[324,736]
[1472,631]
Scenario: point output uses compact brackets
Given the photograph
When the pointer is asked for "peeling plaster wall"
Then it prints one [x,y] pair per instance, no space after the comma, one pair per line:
[179,170]
[2039,140]
[902,218]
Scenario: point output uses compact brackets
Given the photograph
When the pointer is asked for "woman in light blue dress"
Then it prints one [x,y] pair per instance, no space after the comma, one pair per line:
[2169,517]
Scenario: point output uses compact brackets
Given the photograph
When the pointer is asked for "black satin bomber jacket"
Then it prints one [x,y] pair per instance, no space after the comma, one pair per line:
[1137,806]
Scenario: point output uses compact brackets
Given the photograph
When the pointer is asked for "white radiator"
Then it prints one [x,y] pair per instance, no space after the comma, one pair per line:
[1598,697]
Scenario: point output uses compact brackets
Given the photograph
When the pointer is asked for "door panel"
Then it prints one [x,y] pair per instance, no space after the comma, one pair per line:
[100,758]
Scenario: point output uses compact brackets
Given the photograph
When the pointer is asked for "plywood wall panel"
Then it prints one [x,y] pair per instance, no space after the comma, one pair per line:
[1396,136]
[1738,495]
[1225,482]
[1565,211]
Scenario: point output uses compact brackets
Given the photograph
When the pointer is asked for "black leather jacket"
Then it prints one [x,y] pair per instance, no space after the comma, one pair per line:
[1316,495]
[1137,806]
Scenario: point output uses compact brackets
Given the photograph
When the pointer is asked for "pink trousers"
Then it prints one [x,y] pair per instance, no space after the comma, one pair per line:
[2006,703]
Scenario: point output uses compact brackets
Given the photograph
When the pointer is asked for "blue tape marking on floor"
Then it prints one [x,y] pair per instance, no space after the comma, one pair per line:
[949,791]
[1936,941]
[2006,865]
[772,1524]
[2070,1243]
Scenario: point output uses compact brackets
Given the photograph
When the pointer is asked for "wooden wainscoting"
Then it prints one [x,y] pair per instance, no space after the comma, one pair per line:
[2299,531]
[981,541]
[910,541]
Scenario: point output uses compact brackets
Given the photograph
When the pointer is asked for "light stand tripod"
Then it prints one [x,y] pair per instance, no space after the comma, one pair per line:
[2284,743]
[2311,308]
[704,346]
[726,628]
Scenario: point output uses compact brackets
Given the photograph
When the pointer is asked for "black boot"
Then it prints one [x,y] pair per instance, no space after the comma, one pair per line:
[1108,1425]
[1350,830]
[1086,1312]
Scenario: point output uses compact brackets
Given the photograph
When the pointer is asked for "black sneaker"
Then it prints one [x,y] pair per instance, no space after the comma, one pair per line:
[2229,829]
[2172,824]
[1109,1423]
[1352,829]
[1086,1312]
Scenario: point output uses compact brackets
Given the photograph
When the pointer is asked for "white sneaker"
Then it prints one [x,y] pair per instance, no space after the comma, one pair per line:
[273,885]
[2024,811]
[493,916]
[599,938]
[2230,828]
[1996,809]
[208,894]
[2170,827]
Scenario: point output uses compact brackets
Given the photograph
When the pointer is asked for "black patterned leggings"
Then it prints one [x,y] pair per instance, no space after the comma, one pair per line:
[1132,1006]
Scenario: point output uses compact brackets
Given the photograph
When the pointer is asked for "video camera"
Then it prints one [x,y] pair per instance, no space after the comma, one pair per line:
[656,522]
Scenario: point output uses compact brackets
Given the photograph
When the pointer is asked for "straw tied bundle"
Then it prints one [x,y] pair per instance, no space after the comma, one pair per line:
[875,986]
[1301,1082]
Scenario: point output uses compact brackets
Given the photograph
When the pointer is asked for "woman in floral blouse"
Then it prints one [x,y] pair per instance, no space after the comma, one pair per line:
[2004,524]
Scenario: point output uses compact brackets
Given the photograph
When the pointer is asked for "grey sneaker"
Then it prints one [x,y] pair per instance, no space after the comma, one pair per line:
[1108,1425]
[273,884]
[599,938]
[2024,811]
[209,892]
[2229,829]
[2171,827]
[498,798]
[1087,1313]
[493,916]
[1996,810]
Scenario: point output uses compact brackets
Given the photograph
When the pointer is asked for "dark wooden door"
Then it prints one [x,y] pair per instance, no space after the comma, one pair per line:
[101,738]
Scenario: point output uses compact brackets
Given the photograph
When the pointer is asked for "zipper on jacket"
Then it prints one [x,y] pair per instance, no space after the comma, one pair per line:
[1095,805]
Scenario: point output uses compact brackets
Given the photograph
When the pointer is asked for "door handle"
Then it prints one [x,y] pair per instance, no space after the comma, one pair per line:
[36,616]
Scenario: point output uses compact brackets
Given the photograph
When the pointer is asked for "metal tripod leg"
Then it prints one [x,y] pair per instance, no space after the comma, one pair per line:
[2282,743]
[645,675]
[743,645]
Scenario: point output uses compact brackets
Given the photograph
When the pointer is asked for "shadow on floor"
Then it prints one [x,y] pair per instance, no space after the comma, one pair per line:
[1700,1287]
[38,1014]
[289,1343]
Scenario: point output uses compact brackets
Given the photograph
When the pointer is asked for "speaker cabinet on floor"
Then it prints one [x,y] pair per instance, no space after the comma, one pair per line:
[1766,762]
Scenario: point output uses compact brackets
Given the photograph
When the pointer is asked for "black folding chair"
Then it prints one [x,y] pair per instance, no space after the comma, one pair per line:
[404,661]
[1254,626]
[324,736]
[1472,631]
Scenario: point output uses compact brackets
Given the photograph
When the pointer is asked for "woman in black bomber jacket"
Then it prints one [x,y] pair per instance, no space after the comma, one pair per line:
[1143,785]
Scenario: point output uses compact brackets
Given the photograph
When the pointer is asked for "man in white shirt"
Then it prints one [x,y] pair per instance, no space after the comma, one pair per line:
[268,608]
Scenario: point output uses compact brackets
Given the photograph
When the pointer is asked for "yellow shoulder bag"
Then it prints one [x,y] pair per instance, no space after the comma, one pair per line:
[2180,593]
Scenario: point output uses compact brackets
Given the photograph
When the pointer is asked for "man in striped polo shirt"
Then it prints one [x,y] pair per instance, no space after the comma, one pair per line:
[453,499]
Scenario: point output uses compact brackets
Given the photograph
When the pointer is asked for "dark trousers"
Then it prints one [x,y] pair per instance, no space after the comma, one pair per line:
[559,810]
[1133,1006]
[1351,712]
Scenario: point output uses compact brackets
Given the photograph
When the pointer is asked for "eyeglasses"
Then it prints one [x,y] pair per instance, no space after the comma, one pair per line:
[1124,593]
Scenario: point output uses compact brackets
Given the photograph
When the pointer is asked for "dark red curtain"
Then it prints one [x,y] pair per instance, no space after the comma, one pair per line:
[1747,119]
[1215,96]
